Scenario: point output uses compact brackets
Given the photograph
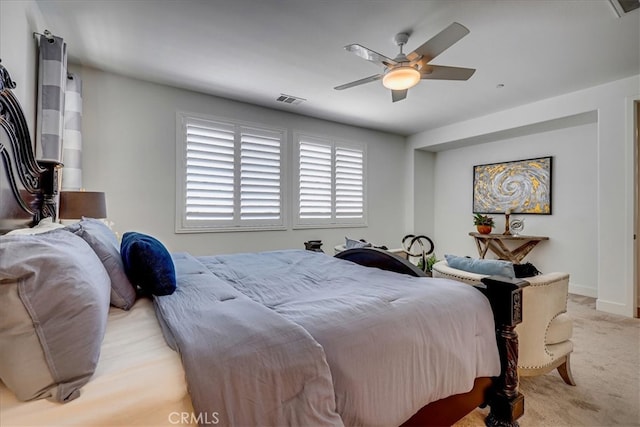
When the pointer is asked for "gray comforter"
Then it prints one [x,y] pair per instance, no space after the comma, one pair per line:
[301,338]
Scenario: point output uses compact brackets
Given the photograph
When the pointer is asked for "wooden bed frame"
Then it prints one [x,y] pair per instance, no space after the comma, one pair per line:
[29,192]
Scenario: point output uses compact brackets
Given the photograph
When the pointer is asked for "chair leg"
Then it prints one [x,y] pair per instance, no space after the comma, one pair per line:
[565,371]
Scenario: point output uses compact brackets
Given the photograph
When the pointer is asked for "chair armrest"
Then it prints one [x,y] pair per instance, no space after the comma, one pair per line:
[547,294]
[442,270]
[546,299]
[547,278]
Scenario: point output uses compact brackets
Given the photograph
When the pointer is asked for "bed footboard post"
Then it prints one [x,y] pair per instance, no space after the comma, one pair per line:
[505,296]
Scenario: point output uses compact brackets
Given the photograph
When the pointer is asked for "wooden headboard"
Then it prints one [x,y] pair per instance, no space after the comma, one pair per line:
[28,188]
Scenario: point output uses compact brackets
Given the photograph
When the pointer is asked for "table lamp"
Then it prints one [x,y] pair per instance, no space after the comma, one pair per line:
[76,204]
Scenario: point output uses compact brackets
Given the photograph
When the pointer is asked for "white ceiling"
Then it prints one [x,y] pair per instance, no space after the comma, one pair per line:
[254,50]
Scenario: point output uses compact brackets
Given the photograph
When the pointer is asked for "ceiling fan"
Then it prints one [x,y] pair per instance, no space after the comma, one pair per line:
[405,71]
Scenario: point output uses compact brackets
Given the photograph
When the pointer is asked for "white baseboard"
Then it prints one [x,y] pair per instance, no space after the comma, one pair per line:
[614,308]
[585,291]
[602,305]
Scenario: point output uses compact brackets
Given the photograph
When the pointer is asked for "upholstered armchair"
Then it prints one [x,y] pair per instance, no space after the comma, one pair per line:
[544,336]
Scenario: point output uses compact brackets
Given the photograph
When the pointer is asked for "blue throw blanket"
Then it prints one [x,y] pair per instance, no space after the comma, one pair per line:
[245,364]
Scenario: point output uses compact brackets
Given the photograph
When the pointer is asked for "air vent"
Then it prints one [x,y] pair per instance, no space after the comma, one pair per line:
[288,99]
[624,6]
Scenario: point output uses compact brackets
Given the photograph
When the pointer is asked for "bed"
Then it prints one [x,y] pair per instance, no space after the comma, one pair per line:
[354,339]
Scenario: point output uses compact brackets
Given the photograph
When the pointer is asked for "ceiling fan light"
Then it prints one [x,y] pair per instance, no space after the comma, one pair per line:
[401,78]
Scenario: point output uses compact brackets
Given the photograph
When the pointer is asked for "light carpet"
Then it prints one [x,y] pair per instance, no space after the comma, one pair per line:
[606,368]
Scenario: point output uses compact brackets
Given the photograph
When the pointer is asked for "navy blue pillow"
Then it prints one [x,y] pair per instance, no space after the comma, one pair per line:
[148,264]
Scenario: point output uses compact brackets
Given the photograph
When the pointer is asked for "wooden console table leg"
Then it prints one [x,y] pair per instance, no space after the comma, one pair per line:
[522,251]
[498,248]
[482,251]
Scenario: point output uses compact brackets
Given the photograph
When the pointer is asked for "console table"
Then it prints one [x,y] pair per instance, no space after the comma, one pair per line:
[496,242]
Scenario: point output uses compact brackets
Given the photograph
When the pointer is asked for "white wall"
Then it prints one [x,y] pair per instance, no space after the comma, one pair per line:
[129,152]
[18,21]
[423,187]
[571,227]
[129,133]
[614,183]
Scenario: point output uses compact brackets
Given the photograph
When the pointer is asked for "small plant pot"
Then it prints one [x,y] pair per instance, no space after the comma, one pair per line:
[484,229]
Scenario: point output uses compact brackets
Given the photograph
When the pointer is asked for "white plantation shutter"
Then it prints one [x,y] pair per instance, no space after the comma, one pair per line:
[349,183]
[331,183]
[232,176]
[209,171]
[260,174]
[315,181]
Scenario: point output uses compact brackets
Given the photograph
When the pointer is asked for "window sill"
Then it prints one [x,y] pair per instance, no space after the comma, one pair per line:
[192,230]
[306,226]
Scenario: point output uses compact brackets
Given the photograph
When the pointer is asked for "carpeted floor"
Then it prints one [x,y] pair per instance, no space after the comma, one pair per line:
[606,367]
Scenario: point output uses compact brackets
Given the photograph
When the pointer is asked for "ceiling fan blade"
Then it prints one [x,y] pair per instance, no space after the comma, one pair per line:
[359,82]
[370,55]
[442,72]
[440,42]
[398,95]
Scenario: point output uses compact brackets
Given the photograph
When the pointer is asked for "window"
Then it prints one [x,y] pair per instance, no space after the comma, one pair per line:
[229,176]
[330,184]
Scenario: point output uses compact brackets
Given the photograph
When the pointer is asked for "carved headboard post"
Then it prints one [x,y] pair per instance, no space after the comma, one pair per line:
[50,185]
[28,189]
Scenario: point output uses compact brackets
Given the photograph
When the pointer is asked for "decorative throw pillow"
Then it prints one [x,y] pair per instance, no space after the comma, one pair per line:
[104,243]
[489,267]
[148,264]
[54,302]
[525,270]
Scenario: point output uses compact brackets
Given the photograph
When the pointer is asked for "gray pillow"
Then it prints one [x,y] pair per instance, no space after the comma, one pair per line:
[54,302]
[352,244]
[105,244]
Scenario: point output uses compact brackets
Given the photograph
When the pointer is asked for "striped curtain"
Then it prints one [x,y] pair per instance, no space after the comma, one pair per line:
[52,80]
[72,135]
[59,129]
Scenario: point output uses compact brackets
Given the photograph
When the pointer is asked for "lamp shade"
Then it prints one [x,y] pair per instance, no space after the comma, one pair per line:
[76,204]
[401,78]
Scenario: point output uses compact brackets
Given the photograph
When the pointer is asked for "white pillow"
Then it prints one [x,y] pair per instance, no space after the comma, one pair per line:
[45,224]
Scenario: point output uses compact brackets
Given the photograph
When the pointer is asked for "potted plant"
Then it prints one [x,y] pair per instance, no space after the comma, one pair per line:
[483,223]
[426,263]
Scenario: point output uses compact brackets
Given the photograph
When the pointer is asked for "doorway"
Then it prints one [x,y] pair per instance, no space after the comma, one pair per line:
[636,231]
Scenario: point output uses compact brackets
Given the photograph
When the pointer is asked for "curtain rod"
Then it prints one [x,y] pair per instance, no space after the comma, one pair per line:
[47,34]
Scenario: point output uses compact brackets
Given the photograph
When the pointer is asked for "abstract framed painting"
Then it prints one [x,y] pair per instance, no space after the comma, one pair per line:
[520,186]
